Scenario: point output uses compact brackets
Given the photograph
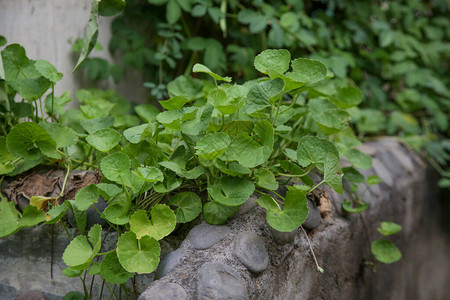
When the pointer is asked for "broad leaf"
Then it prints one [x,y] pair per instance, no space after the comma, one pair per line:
[212,145]
[199,68]
[174,103]
[294,213]
[112,271]
[62,135]
[332,173]
[266,179]
[358,159]
[188,204]
[90,38]
[385,251]
[115,167]
[149,174]
[263,94]
[216,214]
[231,191]
[313,149]
[307,70]
[276,60]
[388,228]
[349,207]
[93,125]
[161,224]
[141,256]
[86,197]
[104,139]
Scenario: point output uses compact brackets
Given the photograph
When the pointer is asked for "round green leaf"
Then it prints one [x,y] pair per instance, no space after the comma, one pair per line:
[57,213]
[86,197]
[352,175]
[189,206]
[47,70]
[29,140]
[162,223]
[174,103]
[112,270]
[78,253]
[93,125]
[325,113]
[349,207]
[147,112]
[104,139]
[117,210]
[108,8]
[62,135]
[266,179]
[358,159]
[312,149]
[294,213]
[108,190]
[307,70]
[212,145]
[348,96]
[114,166]
[149,174]
[388,228]
[72,295]
[385,251]
[9,218]
[231,191]
[216,214]
[141,256]
[272,59]
[373,179]
[173,12]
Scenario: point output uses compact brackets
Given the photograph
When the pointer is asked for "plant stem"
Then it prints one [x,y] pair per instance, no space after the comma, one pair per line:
[53,101]
[315,187]
[66,230]
[312,251]
[42,109]
[278,110]
[64,183]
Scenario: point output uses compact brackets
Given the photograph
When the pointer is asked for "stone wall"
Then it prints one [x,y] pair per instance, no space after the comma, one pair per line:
[245,259]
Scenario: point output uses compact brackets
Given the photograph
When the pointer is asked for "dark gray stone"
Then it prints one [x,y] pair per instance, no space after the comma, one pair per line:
[204,236]
[92,216]
[251,251]
[170,262]
[219,281]
[282,237]
[164,291]
[313,219]
[7,292]
[32,295]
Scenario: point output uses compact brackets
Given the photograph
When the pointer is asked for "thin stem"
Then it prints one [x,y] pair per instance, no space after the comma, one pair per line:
[83,280]
[104,253]
[315,187]
[112,290]
[42,109]
[66,230]
[321,270]
[53,101]
[278,110]
[64,183]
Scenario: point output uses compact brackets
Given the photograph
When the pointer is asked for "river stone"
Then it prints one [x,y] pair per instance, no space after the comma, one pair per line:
[313,219]
[170,262]
[282,237]
[32,295]
[204,236]
[219,281]
[251,251]
[164,291]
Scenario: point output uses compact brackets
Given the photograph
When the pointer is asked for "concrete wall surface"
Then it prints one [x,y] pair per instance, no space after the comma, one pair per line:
[47,30]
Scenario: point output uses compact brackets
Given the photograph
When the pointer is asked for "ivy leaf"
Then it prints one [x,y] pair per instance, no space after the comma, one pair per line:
[312,149]
[104,139]
[115,166]
[263,94]
[358,159]
[223,102]
[231,191]
[93,125]
[199,68]
[388,228]
[185,86]
[141,256]
[108,8]
[332,173]
[62,135]
[90,38]
[171,119]
[349,207]
[47,70]
[373,179]
[30,141]
[216,214]
[57,212]
[117,210]
[174,103]
[79,254]
[266,179]
[346,97]
[86,197]
[112,271]
[307,71]
[212,145]
[147,112]
[276,60]
[246,151]
[294,213]
[233,168]
[352,175]
[325,113]
[173,12]
[188,204]
[162,223]
[149,174]
[385,251]
[135,134]
[108,190]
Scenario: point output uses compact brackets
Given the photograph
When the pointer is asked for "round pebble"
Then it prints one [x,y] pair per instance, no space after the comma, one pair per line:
[219,281]
[251,251]
[164,291]
[204,236]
